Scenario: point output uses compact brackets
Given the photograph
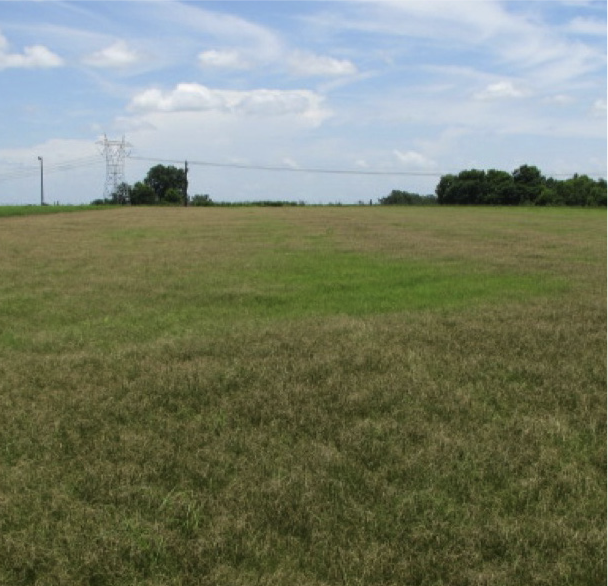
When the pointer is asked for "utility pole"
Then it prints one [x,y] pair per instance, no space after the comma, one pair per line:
[41,181]
[185,183]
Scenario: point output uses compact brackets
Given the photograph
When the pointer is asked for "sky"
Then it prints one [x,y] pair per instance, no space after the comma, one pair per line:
[320,102]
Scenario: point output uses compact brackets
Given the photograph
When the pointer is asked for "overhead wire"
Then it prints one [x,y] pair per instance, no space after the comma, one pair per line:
[278,168]
[323,170]
[91,160]
[68,165]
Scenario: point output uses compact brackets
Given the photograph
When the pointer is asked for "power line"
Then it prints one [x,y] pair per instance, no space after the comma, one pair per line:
[291,169]
[326,170]
[31,171]
[116,164]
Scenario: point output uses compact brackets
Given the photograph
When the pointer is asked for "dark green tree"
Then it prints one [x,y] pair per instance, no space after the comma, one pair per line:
[162,178]
[528,184]
[397,197]
[442,191]
[549,194]
[600,192]
[173,196]
[499,188]
[201,200]
[581,190]
[142,194]
[470,187]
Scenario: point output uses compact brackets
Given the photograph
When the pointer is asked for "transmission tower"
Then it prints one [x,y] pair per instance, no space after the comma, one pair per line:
[115,152]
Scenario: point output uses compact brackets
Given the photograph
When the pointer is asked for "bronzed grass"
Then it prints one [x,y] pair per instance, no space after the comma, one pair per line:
[303,396]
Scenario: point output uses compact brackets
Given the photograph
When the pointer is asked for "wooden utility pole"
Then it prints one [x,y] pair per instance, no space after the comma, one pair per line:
[185,183]
[41,181]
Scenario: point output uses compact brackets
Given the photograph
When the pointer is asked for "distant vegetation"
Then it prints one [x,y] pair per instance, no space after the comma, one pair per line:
[163,185]
[168,185]
[525,186]
[397,197]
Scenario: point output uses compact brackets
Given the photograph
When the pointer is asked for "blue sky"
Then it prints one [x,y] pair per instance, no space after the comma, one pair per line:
[395,93]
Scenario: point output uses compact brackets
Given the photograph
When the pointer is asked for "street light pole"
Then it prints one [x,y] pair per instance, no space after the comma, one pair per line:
[41,181]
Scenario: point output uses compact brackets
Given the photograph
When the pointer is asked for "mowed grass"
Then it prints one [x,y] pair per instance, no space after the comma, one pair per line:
[309,396]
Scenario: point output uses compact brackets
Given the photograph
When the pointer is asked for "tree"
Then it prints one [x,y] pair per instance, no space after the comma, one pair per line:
[162,178]
[581,190]
[601,192]
[397,197]
[201,200]
[173,196]
[442,191]
[549,194]
[470,187]
[528,184]
[500,188]
[142,194]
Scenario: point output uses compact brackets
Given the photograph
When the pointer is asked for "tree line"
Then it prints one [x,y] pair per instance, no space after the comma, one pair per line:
[526,185]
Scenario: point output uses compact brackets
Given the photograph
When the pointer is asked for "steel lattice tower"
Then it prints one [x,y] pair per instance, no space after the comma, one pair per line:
[115,152]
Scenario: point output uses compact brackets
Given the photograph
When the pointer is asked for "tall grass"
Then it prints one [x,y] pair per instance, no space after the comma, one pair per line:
[303,396]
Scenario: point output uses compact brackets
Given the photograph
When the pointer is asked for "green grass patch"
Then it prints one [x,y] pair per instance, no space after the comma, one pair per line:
[261,271]
[333,283]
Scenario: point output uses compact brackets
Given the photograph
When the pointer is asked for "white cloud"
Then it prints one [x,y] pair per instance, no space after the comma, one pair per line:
[289,162]
[193,97]
[309,64]
[227,59]
[511,38]
[560,100]
[125,124]
[598,109]
[117,55]
[445,20]
[499,90]
[34,57]
[219,28]
[577,3]
[586,26]
[415,160]
[299,63]
[185,97]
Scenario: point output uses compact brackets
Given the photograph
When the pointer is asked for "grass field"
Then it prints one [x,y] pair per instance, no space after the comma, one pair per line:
[303,396]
